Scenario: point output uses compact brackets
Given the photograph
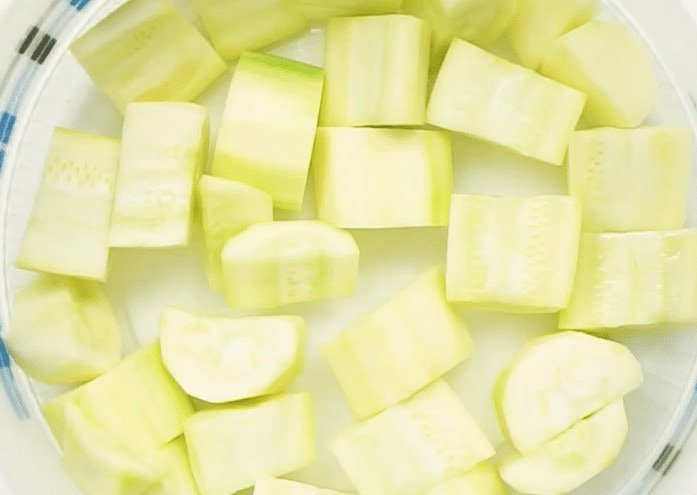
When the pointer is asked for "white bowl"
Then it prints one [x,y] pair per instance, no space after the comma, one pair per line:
[57,92]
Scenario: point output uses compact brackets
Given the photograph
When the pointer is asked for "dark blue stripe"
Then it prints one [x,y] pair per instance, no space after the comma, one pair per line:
[10,386]
[2,158]
[79,4]
[4,356]
[7,123]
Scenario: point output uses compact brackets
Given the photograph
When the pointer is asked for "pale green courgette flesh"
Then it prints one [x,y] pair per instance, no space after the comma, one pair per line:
[278,263]
[277,486]
[376,71]
[540,22]
[98,463]
[631,179]
[512,254]
[559,379]
[483,479]
[636,278]
[137,403]
[324,9]
[69,225]
[146,50]
[481,22]
[387,355]
[227,208]
[163,151]
[230,448]
[175,475]
[608,63]
[103,465]
[63,330]
[269,126]
[382,178]
[569,460]
[412,446]
[489,98]
[235,26]
[219,359]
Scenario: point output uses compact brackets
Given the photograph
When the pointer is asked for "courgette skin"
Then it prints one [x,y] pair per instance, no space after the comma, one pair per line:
[269,125]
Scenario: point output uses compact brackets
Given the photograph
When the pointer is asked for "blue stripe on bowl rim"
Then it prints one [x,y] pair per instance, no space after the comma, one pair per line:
[16,84]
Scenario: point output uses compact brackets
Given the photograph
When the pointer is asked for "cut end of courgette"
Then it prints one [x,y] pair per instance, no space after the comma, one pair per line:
[219,359]
[63,330]
[559,379]
[572,458]
[608,63]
